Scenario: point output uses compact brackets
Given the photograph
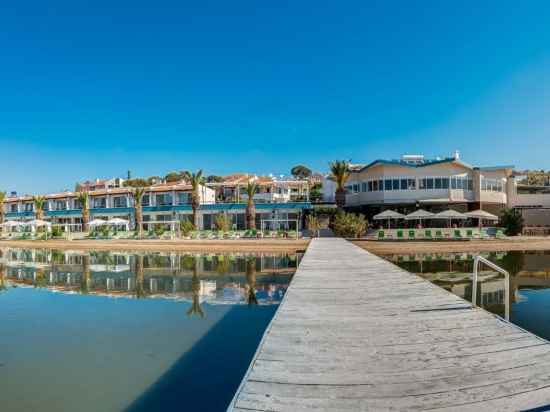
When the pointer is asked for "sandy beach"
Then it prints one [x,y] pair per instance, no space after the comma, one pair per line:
[265,245]
[389,247]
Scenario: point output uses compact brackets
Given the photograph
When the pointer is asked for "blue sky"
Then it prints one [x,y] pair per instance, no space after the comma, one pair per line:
[92,89]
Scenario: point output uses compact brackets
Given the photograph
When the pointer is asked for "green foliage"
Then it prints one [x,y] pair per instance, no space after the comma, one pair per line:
[315,193]
[349,225]
[339,170]
[512,221]
[39,202]
[214,179]
[159,229]
[56,231]
[137,182]
[300,171]
[104,230]
[313,224]
[186,227]
[222,222]
[173,177]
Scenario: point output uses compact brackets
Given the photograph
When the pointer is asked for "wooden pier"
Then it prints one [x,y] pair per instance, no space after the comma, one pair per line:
[357,333]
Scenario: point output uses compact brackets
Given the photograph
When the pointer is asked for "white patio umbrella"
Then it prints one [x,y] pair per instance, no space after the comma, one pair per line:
[481,215]
[37,223]
[388,215]
[11,223]
[97,222]
[419,215]
[118,222]
[449,215]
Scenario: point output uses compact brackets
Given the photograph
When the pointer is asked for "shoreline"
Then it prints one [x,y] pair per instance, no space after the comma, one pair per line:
[253,245]
[409,247]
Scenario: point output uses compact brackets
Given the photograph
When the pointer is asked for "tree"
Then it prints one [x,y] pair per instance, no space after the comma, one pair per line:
[251,298]
[172,177]
[251,189]
[512,221]
[195,308]
[39,203]
[196,181]
[222,222]
[2,198]
[84,200]
[138,187]
[86,275]
[340,173]
[315,194]
[300,172]
[214,179]
[139,273]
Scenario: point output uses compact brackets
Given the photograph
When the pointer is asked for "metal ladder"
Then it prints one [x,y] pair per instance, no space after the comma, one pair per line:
[477,261]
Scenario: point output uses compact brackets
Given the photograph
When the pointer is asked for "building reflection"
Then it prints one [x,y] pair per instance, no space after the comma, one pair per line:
[215,279]
[453,272]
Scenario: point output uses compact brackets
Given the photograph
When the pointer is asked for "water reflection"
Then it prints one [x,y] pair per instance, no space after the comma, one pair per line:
[453,272]
[253,279]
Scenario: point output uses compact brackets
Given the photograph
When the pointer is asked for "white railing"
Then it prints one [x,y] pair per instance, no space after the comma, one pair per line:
[477,261]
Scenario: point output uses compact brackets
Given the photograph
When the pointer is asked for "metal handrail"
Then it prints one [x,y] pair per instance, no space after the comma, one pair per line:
[481,259]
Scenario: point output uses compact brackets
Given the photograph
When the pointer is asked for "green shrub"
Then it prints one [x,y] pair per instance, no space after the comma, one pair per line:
[56,231]
[104,230]
[222,222]
[159,229]
[186,227]
[349,225]
[512,221]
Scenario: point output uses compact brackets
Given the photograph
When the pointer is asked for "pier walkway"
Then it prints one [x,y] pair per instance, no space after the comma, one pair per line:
[357,333]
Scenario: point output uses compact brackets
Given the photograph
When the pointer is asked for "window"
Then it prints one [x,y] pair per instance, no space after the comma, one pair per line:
[369,186]
[395,184]
[13,207]
[164,199]
[422,184]
[438,183]
[363,187]
[29,207]
[453,182]
[411,184]
[355,188]
[183,198]
[445,183]
[470,184]
[60,205]
[99,202]
[145,200]
[375,186]
[429,183]
[387,184]
[404,184]
[119,201]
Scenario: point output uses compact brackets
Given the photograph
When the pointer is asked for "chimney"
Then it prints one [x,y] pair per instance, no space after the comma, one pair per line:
[456,155]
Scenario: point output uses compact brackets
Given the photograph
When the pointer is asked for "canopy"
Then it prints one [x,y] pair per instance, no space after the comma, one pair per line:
[481,214]
[97,222]
[449,214]
[117,221]
[11,223]
[419,214]
[37,222]
[388,214]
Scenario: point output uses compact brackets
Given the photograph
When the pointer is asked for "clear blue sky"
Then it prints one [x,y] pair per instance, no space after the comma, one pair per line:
[89,89]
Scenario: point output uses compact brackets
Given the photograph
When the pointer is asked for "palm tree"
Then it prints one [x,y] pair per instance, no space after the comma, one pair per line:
[86,275]
[196,180]
[339,170]
[137,195]
[139,273]
[3,281]
[2,198]
[251,189]
[39,203]
[84,200]
[251,281]
[195,308]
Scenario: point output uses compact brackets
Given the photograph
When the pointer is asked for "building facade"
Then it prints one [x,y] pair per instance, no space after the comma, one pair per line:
[414,182]
[164,202]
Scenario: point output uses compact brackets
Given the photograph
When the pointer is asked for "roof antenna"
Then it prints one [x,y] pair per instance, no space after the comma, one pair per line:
[456,155]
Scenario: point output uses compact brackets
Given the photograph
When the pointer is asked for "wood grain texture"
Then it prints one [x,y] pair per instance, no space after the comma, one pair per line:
[355,333]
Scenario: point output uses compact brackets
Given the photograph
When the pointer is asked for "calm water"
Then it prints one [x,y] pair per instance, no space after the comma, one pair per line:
[529,282]
[104,331]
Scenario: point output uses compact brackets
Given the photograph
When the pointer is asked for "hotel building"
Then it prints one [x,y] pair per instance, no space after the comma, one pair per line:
[163,202]
[414,182]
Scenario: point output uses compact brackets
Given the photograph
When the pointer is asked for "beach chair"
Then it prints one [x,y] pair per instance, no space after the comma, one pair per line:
[470,234]
[428,234]
[381,235]
[411,234]
[457,234]
[499,233]
[438,234]
[400,234]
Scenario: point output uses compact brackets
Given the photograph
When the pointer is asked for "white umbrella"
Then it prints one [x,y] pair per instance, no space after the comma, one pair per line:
[37,223]
[419,214]
[481,214]
[97,222]
[11,223]
[449,215]
[117,221]
[388,214]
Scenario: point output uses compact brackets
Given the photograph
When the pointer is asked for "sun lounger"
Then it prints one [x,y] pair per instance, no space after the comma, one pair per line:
[457,234]
[438,234]
[381,235]
[400,234]
[411,234]
[428,234]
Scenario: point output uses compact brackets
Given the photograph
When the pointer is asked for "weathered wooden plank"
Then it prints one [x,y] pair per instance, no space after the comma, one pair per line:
[355,332]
